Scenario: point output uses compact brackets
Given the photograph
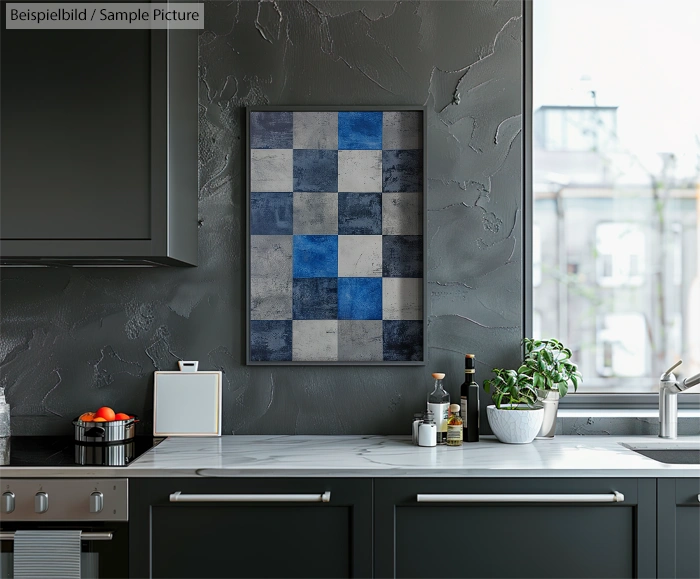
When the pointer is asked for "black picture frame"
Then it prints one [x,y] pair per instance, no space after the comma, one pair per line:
[424,286]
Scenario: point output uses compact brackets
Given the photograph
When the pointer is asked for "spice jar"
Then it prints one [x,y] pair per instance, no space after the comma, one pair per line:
[455,430]
[427,432]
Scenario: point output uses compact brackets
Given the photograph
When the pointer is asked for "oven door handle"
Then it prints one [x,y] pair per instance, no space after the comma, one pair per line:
[84,536]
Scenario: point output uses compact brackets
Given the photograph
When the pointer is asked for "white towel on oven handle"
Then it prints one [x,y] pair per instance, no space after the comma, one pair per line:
[47,554]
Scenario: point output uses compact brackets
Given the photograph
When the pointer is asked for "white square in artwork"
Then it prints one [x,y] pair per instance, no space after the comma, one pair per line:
[315,214]
[271,170]
[402,298]
[402,213]
[359,256]
[315,130]
[315,340]
[360,171]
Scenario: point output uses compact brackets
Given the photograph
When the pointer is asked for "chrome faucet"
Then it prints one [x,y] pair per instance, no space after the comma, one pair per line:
[669,388]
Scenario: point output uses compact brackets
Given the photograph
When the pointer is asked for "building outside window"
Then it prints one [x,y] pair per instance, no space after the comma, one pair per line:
[616,187]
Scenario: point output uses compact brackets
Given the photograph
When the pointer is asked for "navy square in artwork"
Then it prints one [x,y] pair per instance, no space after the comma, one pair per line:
[315,298]
[271,130]
[402,340]
[359,298]
[402,171]
[270,340]
[315,170]
[360,130]
[315,256]
[359,213]
[271,213]
[402,256]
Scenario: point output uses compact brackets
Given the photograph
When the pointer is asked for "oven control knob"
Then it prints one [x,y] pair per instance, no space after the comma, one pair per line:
[8,502]
[41,503]
[97,502]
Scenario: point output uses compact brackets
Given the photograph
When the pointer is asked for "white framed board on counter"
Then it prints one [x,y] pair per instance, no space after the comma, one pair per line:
[187,402]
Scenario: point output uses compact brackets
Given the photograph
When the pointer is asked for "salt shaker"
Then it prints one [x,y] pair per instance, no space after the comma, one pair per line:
[417,420]
[427,432]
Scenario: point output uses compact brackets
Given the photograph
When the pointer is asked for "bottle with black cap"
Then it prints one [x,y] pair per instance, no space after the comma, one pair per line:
[469,398]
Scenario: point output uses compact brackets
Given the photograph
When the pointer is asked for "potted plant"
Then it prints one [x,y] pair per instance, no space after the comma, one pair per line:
[548,363]
[516,415]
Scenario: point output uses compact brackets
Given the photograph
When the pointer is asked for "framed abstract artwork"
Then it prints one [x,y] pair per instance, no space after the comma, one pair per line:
[336,235]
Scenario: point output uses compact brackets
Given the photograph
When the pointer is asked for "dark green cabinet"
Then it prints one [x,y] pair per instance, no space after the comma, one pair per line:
[679,528]
[238,527]
[527,528]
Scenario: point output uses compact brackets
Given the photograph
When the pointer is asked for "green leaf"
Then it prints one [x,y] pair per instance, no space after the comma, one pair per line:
[563,389]
[547,355]
[538,381]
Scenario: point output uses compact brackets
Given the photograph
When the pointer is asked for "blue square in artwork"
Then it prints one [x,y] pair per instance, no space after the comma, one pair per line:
[270,340]
[315,298]
[360,130]
[315,256]
[402,171]
[359,213]
[315,170]
[271,213]
[402,256]
[402,340]
[271,130]
[360,298]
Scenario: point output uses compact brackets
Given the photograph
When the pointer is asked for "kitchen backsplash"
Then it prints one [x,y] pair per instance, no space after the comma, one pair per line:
[75,339]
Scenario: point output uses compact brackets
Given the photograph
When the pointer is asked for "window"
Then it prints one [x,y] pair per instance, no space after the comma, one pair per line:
[620,254]
[621,346]
[536,256]
[616,187]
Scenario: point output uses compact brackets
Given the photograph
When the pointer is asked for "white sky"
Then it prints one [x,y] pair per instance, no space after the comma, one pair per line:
[640,55]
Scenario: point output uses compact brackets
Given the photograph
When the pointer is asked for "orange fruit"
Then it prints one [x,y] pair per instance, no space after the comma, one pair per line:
[86,417]
[99,419]
[121,416]
[105,412]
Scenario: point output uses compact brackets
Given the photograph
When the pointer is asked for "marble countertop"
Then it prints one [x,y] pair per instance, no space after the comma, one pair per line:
[387,456]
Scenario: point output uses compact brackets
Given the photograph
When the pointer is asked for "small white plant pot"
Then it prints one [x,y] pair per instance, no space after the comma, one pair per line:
[515,426]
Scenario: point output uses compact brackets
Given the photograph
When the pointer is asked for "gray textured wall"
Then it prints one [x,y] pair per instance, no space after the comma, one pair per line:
[76,339]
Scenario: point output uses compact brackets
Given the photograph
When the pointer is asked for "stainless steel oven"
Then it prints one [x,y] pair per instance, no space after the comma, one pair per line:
[98,508]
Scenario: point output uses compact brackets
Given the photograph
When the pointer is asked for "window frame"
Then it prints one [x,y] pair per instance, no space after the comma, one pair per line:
[579,400]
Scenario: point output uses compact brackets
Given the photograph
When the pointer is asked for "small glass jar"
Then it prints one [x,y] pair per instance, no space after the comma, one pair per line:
[455,429]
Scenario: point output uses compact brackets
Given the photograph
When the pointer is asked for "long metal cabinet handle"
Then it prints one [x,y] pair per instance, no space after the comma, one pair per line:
[613,497]
[84,536]
[178,497]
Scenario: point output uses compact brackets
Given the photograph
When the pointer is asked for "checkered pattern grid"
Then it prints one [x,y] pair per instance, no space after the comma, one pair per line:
[336,236]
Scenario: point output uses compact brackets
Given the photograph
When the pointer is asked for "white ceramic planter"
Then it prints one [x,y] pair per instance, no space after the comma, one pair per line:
[550,401]
[515,426]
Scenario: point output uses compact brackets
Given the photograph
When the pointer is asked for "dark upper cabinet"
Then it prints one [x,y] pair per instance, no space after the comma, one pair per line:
[679,528]
[98,147]
[220,530]
[569,533]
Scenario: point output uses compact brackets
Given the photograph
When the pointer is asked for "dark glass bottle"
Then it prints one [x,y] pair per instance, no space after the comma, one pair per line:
[469,399]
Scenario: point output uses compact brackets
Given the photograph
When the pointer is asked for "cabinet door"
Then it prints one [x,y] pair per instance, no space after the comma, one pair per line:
[99,155]
[530,528]
[216,529]
[76,114]
[679,528]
